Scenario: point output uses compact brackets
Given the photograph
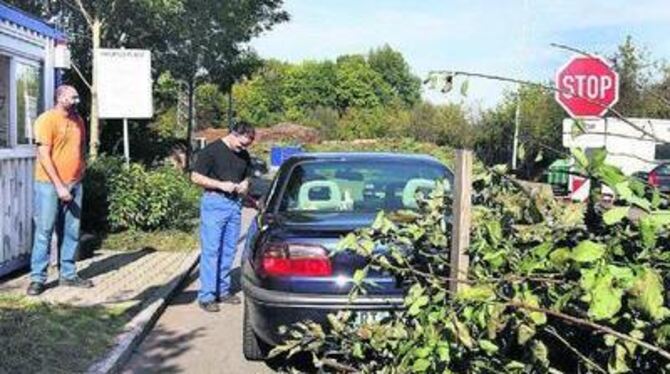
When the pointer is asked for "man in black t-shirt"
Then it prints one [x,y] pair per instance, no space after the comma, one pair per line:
[223,169]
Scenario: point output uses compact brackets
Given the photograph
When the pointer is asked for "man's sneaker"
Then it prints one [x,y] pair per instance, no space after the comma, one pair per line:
[35,288]
[209,306]
[75,282]
[231,299]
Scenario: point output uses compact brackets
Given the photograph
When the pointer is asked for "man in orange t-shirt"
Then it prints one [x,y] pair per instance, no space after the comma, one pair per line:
[61,137]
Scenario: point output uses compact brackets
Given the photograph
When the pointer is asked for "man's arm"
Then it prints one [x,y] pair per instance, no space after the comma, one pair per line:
[44,158]
[212,184]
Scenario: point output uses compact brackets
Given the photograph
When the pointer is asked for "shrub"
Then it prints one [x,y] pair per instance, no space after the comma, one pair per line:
[97,186]
[152,199]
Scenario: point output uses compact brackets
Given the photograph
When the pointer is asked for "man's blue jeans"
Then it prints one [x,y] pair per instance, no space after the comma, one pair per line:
[49,213]
[220,220]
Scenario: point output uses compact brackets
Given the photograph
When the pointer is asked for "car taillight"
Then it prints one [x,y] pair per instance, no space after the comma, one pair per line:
[283,260]
[653,179]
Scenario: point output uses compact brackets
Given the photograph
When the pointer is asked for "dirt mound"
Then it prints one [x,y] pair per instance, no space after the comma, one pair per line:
[282,132]
[290,132]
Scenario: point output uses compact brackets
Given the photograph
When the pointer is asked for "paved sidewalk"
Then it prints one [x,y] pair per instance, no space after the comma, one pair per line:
[127,278]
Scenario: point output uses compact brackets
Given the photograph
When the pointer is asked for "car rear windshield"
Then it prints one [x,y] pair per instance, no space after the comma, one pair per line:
[360,186]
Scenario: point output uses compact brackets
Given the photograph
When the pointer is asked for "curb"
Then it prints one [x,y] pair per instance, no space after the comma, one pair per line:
[137,328]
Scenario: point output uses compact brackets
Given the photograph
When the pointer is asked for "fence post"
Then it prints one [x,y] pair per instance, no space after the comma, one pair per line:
[460,239]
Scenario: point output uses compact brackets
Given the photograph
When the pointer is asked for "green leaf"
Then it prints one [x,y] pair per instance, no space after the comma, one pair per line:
[598,157]
[623,275]
[615,215]
[359,275]
[541,251]
[647,294]
[525,333]
[357,350]
[528,298]
[488,346]
[605,299]
[443,351]
[578,128]
[588,251]
[476,293]
[416,306]
[495,232]
[617,362]
[662,335]
[660,218]
[464,87]
[495,259]
[648,230]
[420,365]
[560,256]
[539,157]
[462,333]
[521,152]
[580,157]
[422,352]
[540,352]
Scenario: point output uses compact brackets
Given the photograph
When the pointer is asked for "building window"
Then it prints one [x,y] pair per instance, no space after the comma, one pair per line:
[29,100]
[4,102]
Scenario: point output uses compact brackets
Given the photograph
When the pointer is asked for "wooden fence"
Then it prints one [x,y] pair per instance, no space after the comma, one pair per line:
[16,191]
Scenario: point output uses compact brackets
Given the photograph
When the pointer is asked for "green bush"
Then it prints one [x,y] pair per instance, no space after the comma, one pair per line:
[550,287]
[97,185]
[152,199]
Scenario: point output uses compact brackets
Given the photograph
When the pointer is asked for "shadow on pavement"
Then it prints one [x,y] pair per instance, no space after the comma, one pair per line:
[190,296]
[164,346]
[114,262]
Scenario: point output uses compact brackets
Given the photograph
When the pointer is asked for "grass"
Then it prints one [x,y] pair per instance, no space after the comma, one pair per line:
[166,240]
[37,337]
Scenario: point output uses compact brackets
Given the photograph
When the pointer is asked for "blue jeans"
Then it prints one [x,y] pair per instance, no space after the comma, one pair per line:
[220,221]
[49,213]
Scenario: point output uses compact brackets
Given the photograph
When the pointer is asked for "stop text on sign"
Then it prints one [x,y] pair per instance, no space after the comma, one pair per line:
[586,87]
[592,87]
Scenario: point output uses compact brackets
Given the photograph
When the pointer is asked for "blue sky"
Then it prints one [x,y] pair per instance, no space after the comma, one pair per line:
[504,37]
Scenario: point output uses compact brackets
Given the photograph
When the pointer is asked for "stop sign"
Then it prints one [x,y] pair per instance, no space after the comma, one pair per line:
[587,87]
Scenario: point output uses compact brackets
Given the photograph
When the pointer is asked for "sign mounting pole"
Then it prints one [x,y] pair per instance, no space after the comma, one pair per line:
[126,142]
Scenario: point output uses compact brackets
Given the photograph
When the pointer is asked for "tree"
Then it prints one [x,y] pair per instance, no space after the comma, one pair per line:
[358,85]
[395,71]
[540,129]
[629,62]
[206,39]
[91,24]
[309,85]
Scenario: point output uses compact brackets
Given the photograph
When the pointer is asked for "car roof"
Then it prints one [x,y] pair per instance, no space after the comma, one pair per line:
[361,156]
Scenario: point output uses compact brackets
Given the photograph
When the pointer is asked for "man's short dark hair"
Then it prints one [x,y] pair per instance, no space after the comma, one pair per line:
[243,128]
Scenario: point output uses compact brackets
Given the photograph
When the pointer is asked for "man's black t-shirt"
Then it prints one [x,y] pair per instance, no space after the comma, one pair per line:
[218,162]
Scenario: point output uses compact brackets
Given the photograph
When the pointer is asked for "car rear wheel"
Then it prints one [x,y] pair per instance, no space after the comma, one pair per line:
[252,347]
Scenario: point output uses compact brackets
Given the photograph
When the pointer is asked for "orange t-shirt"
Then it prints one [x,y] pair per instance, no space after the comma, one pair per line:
[65,133]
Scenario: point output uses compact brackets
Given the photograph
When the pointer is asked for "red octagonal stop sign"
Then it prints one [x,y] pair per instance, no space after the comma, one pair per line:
[587,87]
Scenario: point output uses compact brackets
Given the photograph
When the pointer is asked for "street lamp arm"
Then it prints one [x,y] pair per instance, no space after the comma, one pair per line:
[554,89]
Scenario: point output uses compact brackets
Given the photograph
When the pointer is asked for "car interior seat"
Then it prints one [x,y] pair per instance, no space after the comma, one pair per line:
[319,195]
[412,187]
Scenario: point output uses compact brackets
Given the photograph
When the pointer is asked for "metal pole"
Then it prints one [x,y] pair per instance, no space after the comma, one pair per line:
[126,143]
[517,114]
[515,145]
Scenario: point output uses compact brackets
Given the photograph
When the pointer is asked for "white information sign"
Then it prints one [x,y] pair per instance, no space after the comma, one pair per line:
[124,83]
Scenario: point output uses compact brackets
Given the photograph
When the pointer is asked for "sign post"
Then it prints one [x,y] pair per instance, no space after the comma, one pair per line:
[587,87]
[124,87]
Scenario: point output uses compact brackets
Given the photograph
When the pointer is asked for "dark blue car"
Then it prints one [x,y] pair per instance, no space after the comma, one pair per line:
[288,274]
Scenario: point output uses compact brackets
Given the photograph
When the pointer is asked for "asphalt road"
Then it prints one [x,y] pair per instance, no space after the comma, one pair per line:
[188,340]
